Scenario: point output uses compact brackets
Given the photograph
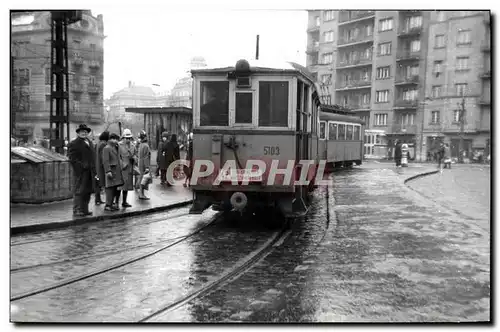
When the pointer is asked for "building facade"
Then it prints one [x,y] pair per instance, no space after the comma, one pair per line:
[380,64]
[30,57]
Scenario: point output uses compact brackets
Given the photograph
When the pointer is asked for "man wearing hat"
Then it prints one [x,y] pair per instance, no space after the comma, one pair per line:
[81,155]
[128,155]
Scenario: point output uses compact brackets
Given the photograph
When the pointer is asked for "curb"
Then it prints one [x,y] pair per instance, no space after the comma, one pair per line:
[414,177]
[78,221]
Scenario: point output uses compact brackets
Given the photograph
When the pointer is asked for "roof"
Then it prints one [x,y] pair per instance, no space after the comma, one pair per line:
[324,116]
[36,154]
[260,66]
[146,110]
[136,90]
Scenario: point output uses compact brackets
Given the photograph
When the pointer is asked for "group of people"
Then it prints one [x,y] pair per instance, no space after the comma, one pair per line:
[168,152]
[401,154]
[112,163]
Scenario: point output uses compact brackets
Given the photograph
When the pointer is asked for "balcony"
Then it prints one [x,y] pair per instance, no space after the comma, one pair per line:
[469,127]
[406,103]
[93,89]
[355,16]
[313,47]
[354,84]
[410,31]
[312,29]
[354,41]
[485,100]
[486,75]
[77,61]
[407,55]
[404,129]
[407,79]
[359,107]
[94,64]
[355,63]
[486,47]
[78,88]
[42,116]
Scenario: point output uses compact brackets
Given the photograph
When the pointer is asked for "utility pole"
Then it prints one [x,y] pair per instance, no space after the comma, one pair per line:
[257,49]
[461,107]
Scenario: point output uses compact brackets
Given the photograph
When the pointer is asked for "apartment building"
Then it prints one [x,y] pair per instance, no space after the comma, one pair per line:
[379,64]
[30,56]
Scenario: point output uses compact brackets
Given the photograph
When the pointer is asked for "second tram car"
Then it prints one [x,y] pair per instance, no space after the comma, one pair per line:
[271,114]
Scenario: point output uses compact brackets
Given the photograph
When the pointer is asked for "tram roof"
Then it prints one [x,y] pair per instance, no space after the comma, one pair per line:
[260,66]
[325,116]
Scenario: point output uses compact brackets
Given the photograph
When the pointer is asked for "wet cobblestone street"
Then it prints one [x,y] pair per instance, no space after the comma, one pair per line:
[371,249]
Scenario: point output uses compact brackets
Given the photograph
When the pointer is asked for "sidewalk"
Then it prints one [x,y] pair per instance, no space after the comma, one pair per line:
[30,217]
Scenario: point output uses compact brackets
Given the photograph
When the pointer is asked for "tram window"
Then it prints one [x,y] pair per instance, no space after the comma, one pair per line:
[273,104]
[214,103]
[349,132]
[356,133]
[332,131]
[322,130]
[341,129]
[243,108]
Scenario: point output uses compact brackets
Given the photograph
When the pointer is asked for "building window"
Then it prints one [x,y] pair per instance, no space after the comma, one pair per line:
[435,117]
[368,30]
[386,24]
[410,94]
[463,37]
[328,36]
[461,89]
[439,41]
[384,48]
[441,16]
[381,119]
[408,119]
[92,80]
[214,98]
[365,119]
[382,96]
[243,111]
[413,22]
[76,106]
[383,72]
[328,15]
[327,58]
[326,99]
[438,67]
[326,79]
[47,75]
[456,116]
[415,45]
[21,76]
[367,54]
[462,63]
[365,99]
[317,21]
[322,130]
[436,91]
[410,71]
[273,104]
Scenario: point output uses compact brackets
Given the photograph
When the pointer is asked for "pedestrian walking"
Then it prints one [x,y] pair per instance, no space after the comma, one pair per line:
[172,152]
[100,174]
[144,160]
[161,160]
[111,162]
[189,157]
[397,153]
[447,156]
[128,155]
[81,156]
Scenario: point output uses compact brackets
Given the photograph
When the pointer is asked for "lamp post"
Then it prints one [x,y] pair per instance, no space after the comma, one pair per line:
[423,103]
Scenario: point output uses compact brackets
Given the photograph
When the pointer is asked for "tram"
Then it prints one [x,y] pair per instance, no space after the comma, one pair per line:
[259,119]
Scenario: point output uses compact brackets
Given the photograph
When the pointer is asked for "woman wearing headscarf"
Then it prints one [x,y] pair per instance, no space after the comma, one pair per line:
[144,158]
[101,176]
[128,155]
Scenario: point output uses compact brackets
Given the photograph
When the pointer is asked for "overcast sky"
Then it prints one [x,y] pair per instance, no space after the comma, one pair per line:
[150,46]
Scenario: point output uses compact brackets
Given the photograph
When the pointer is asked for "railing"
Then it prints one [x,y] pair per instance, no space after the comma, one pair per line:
[360,61]
[94,89]
[355,15]
[314,47]
[362,39]
[410,79]
[355,84]
[361,106]
[407,31]
[408,54]
[404,129]
[406,103]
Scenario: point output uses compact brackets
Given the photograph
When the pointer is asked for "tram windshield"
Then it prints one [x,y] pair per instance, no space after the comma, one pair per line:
[273,104]
[214,110]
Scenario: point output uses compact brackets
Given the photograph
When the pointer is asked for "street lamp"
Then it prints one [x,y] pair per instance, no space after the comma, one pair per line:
[423,103]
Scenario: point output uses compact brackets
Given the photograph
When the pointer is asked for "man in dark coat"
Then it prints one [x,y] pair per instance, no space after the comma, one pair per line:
[111,162]
[172,152]
[81,155]
[398,154]
[101,176]
[161,160]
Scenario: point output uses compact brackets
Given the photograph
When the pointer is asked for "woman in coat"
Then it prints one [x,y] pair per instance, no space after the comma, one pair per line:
[161,160]
[144,161]
[172,152]
[111,162]
[128,155]
[101,176]
[398,154]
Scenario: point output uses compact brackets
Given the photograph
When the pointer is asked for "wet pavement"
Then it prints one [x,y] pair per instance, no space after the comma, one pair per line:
[370,250]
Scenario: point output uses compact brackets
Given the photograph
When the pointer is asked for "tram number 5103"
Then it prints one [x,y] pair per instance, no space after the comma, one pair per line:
[271,150]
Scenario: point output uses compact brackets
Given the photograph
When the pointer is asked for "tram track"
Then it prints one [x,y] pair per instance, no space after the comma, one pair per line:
[115,266]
